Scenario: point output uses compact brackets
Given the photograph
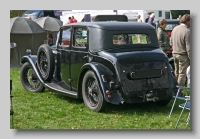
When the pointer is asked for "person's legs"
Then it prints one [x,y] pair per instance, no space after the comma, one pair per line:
[184,62]
[176,65]
[139,38]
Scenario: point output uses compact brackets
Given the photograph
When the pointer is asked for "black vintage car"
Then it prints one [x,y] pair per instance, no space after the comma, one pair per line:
[102,63]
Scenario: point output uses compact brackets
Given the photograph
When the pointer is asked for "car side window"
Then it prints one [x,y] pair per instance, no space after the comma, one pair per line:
[66,37]
[80,37]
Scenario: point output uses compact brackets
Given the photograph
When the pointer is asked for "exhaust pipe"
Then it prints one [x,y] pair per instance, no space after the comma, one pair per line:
[150,97]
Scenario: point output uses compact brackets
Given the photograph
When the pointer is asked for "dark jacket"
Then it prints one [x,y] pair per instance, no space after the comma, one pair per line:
[51,43]
[163,39]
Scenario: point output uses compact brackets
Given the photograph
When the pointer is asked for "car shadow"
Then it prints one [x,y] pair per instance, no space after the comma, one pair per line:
[139,108]
[69,99]
[126,108]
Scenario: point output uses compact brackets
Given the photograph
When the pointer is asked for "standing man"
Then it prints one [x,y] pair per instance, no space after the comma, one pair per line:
[181,48]
[73,20]
[151,19]
[148,15]
[137,35]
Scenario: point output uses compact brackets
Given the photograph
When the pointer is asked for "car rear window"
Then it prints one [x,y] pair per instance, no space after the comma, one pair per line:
[170,27]
[119,39]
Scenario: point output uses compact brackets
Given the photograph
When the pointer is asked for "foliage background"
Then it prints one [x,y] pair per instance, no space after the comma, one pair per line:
[175,13]
[15,13]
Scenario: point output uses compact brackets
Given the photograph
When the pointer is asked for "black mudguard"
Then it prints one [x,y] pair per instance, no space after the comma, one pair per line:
[101,70]
[32,59]
[171,59]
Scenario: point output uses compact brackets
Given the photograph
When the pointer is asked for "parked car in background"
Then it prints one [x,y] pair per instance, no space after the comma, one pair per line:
[171,23]
[34,14]
[102,63]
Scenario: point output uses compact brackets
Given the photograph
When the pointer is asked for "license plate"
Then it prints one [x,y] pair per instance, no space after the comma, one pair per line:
[148,73]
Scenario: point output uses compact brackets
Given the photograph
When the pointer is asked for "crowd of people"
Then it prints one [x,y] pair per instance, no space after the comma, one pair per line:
[71,20]
[180,41]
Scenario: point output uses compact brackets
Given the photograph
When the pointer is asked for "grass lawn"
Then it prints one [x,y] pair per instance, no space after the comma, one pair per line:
[49,110]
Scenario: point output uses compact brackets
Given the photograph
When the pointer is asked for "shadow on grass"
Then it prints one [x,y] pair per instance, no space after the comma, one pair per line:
[140,108]
[130,109]
[147,106]
[69,99]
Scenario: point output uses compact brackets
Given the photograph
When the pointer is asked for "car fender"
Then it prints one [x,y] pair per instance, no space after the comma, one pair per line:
[32,59]
[171,59]
[100,71]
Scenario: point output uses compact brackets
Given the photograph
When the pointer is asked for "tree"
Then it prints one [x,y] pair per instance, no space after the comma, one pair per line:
[176,13]
[15,13]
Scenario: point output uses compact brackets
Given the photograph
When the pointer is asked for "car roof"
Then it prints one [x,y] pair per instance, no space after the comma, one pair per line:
[115,25]
[170,20]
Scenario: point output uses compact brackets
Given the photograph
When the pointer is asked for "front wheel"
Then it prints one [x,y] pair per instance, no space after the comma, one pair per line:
[29,79]
[92,94]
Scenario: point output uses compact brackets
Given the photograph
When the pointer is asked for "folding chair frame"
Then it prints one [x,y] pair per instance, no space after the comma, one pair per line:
[176,97]
[184,107]
[11,109]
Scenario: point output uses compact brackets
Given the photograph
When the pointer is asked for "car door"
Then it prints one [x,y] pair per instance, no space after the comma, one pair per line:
[79,52]
[63,48]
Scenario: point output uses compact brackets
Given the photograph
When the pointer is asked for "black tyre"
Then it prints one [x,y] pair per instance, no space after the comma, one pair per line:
[46,62]
[92,94]
[29,79]
[163,102]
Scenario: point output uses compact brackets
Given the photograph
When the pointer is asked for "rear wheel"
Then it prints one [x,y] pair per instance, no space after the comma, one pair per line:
[29,79]
[92,94]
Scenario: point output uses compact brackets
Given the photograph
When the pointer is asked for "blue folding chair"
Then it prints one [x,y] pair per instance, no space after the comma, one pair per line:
[178,96]
[184,106]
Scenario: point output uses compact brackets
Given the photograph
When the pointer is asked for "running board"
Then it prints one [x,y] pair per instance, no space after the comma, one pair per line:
[56,87]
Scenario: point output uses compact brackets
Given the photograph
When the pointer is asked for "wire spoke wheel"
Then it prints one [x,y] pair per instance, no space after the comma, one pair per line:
[29,79]
[43,64]
[46,62]
[92,94]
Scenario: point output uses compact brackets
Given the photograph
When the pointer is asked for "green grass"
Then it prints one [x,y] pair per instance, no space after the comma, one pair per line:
[49,110]
[143,39]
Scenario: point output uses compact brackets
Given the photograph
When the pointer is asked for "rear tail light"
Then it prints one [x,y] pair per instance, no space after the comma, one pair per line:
[173,74]
[163,72]
[109,96]
[108,92]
